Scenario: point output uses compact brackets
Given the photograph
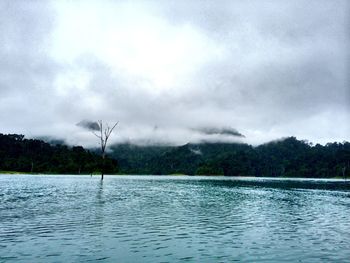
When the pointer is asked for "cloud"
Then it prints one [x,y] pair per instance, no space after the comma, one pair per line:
[221,131]
[269,68]
[89,125]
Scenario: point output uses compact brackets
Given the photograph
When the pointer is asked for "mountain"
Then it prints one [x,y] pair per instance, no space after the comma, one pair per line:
[288,157]
[283,158]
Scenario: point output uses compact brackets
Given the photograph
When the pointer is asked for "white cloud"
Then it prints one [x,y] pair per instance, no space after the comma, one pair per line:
[131,39]
[270,69]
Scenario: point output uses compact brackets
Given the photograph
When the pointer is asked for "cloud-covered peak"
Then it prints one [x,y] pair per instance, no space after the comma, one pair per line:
[228,131]
[89,125]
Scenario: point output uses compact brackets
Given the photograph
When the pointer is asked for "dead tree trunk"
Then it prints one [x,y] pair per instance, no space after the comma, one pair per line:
[103,165]
[103,136]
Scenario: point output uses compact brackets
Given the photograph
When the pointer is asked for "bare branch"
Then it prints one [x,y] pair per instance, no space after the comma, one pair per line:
[94,133]
[114,126]
[106,132]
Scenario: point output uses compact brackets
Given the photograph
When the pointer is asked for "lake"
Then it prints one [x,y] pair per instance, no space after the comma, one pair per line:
[46,218]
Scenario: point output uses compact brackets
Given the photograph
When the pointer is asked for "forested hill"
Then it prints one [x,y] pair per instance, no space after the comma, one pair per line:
[27,155]
[289,157]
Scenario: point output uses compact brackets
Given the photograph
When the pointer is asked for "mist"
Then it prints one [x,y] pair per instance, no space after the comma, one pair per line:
[173,72]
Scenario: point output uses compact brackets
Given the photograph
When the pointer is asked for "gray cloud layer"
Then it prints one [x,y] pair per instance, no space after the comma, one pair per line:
[267,68]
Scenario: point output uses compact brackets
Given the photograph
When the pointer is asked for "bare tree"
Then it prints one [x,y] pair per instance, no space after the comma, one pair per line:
[103,134]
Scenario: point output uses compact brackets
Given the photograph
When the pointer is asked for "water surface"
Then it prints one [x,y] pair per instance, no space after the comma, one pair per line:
[173,219]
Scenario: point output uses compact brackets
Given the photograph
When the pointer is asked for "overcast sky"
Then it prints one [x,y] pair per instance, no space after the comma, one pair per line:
[176,71]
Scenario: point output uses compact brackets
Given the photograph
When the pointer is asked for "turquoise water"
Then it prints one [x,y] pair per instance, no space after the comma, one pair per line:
[173,219]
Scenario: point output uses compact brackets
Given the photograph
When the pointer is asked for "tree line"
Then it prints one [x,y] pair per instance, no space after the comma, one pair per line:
[284,158]
[36,156]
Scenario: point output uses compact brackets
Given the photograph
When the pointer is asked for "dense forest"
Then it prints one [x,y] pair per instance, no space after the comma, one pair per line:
[288,158]
[284,158]
[36,156]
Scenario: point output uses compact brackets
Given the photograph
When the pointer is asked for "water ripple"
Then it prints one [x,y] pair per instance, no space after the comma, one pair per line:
[172,219]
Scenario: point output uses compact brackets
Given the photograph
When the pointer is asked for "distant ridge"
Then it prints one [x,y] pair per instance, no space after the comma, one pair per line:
[287,157]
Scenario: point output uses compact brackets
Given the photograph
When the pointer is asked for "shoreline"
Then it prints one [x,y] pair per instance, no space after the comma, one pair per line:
[176,175]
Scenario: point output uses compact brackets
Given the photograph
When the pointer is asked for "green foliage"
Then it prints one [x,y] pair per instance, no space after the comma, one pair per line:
[285,158]
[23,155]
[209,169]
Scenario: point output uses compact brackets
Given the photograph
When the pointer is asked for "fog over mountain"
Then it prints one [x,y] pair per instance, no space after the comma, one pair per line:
[176,71]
